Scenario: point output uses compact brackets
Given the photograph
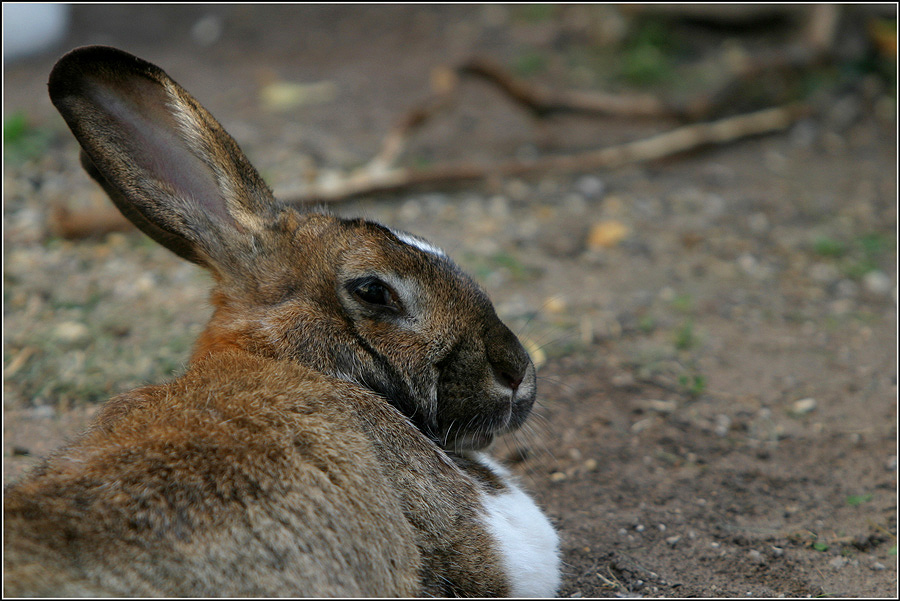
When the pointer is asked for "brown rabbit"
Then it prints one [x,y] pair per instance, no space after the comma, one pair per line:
[326,437]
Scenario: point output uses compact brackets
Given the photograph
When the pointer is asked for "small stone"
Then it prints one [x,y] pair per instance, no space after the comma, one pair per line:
[641,425]
[661,406]
[878,566]
[838,562]
[804,406]
[756,557]
[722,425]
[891,464]
[557,477]
[639,528]
[607,234]
[590,465]
[777,551]
[71,332]
[877,282]
[590,186]
[673,540]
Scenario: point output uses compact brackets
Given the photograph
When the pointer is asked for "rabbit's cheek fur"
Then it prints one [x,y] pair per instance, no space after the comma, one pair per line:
[364,352]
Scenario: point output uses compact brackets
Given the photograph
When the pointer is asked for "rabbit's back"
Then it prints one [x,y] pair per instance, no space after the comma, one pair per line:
[264,487]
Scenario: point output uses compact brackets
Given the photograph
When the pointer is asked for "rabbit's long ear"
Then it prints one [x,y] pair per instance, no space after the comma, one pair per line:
[165,162]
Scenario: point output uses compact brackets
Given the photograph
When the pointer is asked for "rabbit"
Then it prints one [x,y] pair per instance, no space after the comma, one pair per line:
[329,435]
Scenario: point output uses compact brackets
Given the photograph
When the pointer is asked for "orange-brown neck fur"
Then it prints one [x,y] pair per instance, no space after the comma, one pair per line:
[216,337]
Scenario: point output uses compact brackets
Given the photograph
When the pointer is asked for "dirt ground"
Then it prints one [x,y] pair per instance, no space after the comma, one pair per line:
[716,332]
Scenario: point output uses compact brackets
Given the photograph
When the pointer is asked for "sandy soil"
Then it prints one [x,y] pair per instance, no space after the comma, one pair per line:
[718,381]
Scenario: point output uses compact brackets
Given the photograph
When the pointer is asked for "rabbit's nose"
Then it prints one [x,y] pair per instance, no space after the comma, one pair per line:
[509,360]
[513,380]
[511,367]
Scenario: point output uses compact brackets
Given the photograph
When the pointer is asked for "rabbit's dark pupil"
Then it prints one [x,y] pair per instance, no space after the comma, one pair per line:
[376,293]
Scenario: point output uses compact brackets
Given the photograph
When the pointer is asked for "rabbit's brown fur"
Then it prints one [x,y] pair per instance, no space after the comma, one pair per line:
[322,440]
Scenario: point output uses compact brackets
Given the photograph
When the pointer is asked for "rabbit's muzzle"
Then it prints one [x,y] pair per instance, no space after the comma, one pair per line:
[484,390]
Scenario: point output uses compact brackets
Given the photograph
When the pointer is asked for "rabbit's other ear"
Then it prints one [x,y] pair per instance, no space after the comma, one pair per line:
[164,161]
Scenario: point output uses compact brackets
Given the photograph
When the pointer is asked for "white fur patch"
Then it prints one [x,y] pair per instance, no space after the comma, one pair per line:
[527,540]
[416,242]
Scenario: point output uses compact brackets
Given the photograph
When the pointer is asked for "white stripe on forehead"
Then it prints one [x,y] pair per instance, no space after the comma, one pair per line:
[417,242]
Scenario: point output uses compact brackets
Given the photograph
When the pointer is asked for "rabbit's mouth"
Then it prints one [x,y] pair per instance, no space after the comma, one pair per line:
[492,419]
[475,439]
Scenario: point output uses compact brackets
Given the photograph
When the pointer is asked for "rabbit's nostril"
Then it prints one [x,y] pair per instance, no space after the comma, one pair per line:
[507,356]
[513,380]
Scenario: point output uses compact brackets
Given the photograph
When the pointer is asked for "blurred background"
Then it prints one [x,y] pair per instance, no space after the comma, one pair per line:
[715,328]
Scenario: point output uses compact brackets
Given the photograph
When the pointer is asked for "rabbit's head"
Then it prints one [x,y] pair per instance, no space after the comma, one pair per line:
[348,297]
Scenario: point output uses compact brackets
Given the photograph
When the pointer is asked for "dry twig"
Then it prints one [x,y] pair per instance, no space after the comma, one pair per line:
[543,101]
[682,139]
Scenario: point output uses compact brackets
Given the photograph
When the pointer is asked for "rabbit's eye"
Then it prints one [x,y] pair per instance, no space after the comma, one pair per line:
[377,294]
